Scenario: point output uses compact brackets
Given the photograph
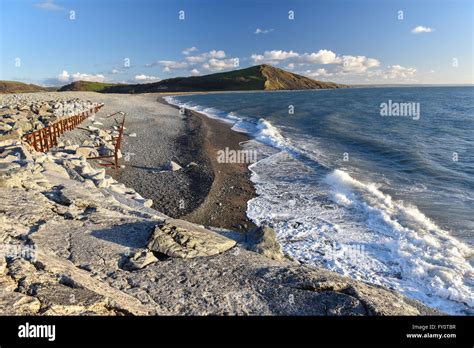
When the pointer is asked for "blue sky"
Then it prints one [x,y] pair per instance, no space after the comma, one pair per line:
[54,42]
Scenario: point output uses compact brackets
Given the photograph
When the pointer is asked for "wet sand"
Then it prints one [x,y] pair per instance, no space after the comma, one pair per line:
[226,203]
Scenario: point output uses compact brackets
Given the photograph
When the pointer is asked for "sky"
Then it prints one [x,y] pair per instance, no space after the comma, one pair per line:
[55,42]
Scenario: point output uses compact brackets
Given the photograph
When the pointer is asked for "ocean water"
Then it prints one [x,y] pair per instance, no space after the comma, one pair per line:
[388,200]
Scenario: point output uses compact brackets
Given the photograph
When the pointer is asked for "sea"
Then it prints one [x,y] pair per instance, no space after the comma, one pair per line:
[373,183]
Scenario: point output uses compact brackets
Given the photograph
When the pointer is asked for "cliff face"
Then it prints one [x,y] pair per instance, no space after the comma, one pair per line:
[279,79]
[256,78]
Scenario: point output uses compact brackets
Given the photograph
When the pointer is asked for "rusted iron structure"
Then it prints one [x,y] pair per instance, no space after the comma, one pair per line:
[117,141]
[44,139]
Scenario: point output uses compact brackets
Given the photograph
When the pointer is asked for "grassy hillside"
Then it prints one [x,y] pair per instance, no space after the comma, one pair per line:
[20,87]
[260,77]
[245,79]
[87,86]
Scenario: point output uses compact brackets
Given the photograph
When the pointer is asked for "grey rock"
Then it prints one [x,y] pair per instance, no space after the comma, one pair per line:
[87,151]
[24,126]
[178,238]
[140,260]
[52,168]
[263,240]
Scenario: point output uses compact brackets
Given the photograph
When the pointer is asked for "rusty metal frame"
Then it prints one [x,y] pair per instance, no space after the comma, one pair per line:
[117,145]
[44,139]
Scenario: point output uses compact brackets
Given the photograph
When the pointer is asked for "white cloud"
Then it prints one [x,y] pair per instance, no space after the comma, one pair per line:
[196,59]
[48,5]
[372,62]
[321,72]
[358,64]
[63,77]
[345,64]
[276,56]
[219,64]
[421,29]
[146,78]
[219,54]
[187,51]
[273,57]
[344,68]
[169,65]
[321,57]
[263,31]
[86,77]
[398,72]
[395,73]
[115,71]
[214,60]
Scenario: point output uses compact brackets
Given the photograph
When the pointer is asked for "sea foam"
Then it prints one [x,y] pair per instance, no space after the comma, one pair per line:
[326,217]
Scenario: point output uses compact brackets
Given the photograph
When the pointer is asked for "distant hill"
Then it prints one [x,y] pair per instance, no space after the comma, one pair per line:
[87,86]
[259,77]
[20,87]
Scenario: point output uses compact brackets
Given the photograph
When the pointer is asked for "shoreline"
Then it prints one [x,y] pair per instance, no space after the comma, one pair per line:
[225,205]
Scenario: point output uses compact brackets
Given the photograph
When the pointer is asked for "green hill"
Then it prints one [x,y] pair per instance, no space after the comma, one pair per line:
[87,86]
[260,77]
[20,87]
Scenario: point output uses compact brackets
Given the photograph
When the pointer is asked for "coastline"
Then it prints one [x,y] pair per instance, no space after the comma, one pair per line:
[225,204]
[75,220]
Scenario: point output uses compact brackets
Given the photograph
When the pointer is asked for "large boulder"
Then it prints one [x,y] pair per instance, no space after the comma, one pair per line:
[24,126]
[263,240]
[178,238]
[87,151]
[51,168]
